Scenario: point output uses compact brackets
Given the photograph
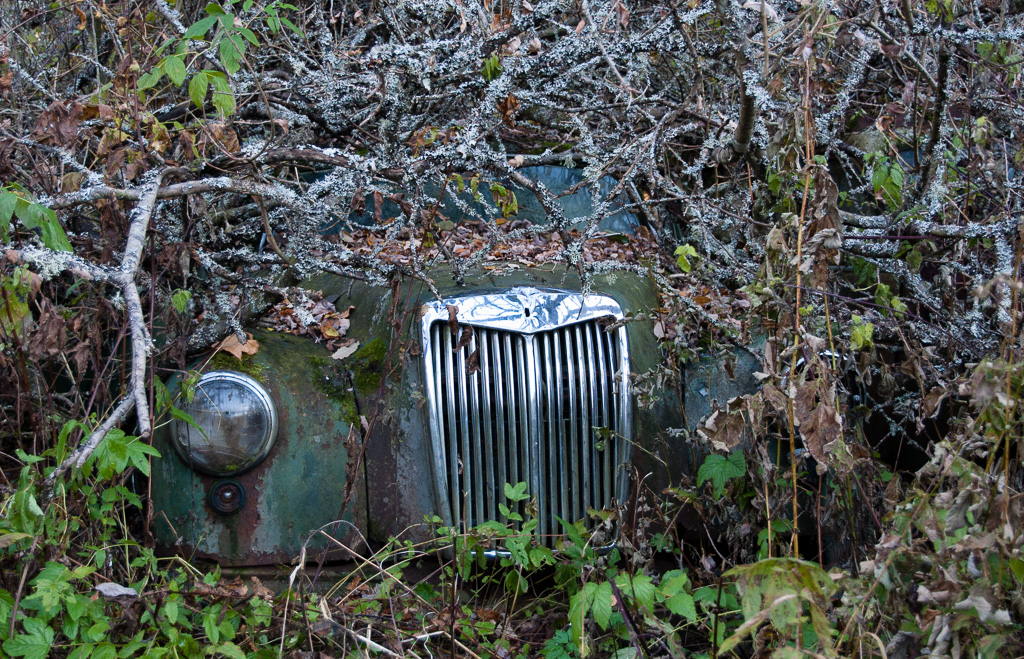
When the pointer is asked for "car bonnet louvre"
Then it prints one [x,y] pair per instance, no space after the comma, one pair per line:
[547,406]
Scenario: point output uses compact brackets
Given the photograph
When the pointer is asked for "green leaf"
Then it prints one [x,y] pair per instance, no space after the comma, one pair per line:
[98,631]
[105,650]
[515,582]
[197,88]
[83,651]
[491,68]
[180,299]
[211,628]
[34,644]
[223,97]
[291,26]
[602,606]
[199,29]
[149,79]
[8,539]
[227,649]
[640,587]
[51,232]
[861,334]
[213,9]
[720,470]
[683,255]
[7,203]
[174,67]
[682,604]
[516,492]
[137,452]
[231,54]
[249,35]
[171,611]
[36,216]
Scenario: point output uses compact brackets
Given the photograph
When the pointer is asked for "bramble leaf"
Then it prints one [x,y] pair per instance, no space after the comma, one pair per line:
[720,469]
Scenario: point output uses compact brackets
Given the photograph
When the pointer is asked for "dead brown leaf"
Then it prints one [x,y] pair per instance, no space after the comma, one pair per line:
[820,430]
[453,321]
[58,124]
[507,108]
[233,346]
[465,338]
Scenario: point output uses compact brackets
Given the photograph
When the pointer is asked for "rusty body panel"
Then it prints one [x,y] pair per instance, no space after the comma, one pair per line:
[297,489]
[359,427]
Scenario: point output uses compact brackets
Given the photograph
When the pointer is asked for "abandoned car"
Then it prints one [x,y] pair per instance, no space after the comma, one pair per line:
[451,394]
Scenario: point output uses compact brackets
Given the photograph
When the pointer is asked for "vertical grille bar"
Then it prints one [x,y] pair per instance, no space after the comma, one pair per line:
[523,377]
[465,452]
[600,408]
[586,446]
[594,400]
[511,446]
[451,430]
[562,471]
[574,457]
[617,374]
[482,342]
[500,384]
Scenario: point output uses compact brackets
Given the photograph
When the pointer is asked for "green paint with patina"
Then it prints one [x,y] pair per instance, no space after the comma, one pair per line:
[298,488]
[301,484]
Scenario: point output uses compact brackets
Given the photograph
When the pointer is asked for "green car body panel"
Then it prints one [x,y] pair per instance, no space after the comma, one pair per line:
[353,455]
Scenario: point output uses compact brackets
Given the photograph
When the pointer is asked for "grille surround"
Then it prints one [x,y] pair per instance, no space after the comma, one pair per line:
[563,375]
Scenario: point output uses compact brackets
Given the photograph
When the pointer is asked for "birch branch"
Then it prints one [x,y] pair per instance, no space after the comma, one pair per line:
[124,278]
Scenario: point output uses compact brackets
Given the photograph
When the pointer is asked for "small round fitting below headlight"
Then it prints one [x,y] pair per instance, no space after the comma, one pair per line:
[227,496]
[235,424]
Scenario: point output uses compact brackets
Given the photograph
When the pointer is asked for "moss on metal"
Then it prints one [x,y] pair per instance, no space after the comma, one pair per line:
[248,364]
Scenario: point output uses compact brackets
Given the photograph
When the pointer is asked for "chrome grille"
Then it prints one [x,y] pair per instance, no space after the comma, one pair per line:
[545,406]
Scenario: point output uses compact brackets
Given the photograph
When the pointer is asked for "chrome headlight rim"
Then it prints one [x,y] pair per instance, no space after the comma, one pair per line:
[266,406]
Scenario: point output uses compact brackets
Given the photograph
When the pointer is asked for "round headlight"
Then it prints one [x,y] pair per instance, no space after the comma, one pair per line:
[238,423]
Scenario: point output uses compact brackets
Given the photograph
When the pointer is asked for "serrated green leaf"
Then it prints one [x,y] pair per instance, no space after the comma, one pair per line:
[249,35]
[171,611]
[197,88]
[98,631]
[7,203]
[83,651]
[639,587]
[8,539]
[180,299]
[34,644]
[138,452]
[211,628]
[227,649]
[149,79]
[230,55]
[223,97]
[683,255]
[602,605]
[105,650]
[682,604]
[861,334]
[199,29]
[175,69]
[720,470]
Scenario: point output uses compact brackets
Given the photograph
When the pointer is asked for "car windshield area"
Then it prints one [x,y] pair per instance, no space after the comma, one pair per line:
[468,199]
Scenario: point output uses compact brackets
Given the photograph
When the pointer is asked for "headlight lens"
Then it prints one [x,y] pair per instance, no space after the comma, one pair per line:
[238,421]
